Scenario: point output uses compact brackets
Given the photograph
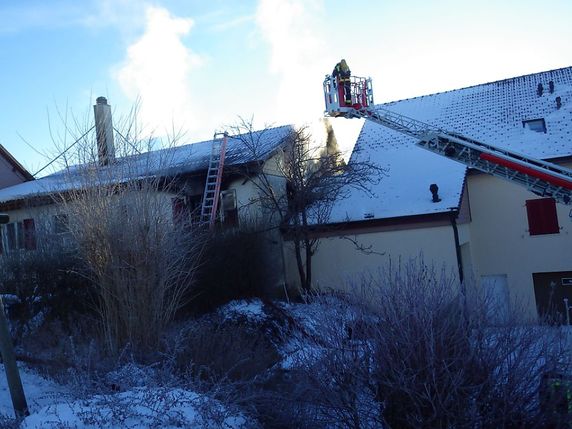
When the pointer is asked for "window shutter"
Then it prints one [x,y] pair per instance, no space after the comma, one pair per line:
[542,217]
[179,210]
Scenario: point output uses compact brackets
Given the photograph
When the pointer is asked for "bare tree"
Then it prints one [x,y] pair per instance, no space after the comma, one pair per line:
[299,186]
[140,259]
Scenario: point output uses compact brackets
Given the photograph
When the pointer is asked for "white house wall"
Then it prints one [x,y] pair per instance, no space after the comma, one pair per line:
[338,263]
[500,243]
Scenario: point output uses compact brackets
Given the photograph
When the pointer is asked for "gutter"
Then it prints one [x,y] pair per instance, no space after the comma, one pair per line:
[453,214]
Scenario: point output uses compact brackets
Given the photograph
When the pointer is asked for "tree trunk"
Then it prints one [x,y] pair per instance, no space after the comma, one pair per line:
[308,263]
[308,251]
[301,272]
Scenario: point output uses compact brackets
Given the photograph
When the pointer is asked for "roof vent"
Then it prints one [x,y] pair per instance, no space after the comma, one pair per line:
[558,102]
[434,192]
[551,87]
[539,90]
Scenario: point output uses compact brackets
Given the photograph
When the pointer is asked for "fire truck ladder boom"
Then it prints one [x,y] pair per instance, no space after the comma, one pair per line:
[540,177]
[214,179]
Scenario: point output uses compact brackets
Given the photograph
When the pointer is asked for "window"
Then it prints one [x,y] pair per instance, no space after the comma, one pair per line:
[61,224]
[20,235]
[537,125]
[29,234]
[11,243]
[229,207]
[180,211]
[542,217]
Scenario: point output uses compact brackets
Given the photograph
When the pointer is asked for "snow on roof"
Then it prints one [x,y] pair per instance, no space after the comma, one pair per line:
[492,113]
[183,159]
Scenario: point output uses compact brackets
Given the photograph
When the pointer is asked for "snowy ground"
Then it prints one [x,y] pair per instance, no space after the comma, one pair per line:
[51,406]
[306,332]
[39,391]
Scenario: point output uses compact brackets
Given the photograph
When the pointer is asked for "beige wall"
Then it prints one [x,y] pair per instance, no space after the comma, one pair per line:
[338,262]
[500,243]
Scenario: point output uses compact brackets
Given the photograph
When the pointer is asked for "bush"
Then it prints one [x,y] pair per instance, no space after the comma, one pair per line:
[141,263]
[237,264]
[47,285]
[439,362]
[413,350]
[218,349]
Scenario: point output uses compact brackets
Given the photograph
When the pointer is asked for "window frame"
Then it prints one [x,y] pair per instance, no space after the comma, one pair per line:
[539,121]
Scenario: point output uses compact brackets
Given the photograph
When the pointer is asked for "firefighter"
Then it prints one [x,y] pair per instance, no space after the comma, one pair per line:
[342,73]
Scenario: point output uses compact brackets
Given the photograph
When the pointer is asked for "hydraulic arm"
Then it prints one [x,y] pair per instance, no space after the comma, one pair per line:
[540,177]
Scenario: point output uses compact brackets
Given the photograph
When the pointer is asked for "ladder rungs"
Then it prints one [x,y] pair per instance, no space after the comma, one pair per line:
[212,183]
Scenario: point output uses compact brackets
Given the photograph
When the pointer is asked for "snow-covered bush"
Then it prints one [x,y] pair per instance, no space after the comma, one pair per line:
[224,349]
[139,408]
[327,369]
[410,348]
[440,363]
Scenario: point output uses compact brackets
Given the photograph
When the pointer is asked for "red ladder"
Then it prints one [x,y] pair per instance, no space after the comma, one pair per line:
[214,179]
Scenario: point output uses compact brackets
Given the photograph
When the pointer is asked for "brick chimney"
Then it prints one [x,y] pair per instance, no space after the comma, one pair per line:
[104,131]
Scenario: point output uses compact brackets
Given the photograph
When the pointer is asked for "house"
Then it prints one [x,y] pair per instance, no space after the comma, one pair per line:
[486,231]
[32,206]
[11,173]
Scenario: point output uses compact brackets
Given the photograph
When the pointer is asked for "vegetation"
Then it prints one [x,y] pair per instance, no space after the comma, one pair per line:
[299,187]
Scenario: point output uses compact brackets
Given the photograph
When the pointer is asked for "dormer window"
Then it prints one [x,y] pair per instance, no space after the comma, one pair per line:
[537,125]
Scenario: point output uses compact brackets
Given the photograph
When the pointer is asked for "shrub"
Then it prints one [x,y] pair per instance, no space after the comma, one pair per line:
[47,285]
[220,349]
[412,349]
[237,264]
[141,263]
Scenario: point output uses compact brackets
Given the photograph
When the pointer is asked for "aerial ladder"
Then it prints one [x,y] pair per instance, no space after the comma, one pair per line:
[540,177]
[211,194]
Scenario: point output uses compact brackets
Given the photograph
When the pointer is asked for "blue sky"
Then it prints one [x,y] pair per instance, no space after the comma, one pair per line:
[198,65]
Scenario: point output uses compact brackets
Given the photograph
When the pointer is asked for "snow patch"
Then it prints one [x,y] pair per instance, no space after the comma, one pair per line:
[138,408]
[38,390]
[252,310]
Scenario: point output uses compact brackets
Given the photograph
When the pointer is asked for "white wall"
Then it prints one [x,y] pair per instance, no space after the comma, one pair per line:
[338,261]
[500,243]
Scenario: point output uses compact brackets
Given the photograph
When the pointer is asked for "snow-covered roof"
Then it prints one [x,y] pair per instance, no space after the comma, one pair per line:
[177,160]
[492,113]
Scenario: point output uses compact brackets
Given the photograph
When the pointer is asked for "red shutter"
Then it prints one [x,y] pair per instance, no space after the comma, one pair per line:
[29,234]
[542,217]
[178,207]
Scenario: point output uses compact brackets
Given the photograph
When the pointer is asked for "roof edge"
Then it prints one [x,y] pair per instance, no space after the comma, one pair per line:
[477,85]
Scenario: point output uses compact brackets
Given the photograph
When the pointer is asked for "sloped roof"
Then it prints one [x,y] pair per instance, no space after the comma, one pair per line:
[185,159]
[492,113]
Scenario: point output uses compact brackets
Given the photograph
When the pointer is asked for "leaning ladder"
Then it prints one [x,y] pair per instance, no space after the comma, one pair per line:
[214,179]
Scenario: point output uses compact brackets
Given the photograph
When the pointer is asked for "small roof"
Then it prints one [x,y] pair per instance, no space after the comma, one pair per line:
[185,159]
[493,113]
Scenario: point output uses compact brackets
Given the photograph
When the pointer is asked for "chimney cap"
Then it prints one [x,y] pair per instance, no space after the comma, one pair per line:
[101,100]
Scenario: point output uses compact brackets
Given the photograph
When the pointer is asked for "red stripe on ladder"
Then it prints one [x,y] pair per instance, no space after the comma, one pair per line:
[558,181]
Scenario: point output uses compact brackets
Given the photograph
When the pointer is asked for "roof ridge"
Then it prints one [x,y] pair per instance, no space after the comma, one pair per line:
[477,85]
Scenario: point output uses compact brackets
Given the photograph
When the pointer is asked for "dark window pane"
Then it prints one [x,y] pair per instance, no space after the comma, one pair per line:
[29,234]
